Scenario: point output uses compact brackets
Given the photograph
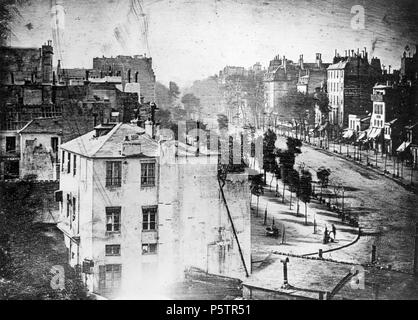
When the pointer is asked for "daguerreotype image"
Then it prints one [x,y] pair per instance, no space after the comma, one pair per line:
[208,149]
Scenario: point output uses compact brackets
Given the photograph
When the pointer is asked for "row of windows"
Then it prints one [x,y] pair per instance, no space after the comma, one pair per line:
[11,144]
[114,174]
[335,74]
[335,86]
[114,249]
[378,108]
[70,163]
[113,171]
[335,100]
[113,218]
[378,123]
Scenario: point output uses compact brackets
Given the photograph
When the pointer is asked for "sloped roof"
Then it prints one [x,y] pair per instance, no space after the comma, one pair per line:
[43,125]
[110,145]
[338,65]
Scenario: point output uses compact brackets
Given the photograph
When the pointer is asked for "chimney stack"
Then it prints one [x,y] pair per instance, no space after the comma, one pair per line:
[319,60]
[149,128]
[301,61]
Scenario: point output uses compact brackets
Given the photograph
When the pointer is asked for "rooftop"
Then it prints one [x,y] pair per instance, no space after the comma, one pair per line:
[43,125]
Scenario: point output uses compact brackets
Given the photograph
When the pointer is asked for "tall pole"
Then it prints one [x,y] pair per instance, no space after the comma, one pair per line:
[284,189]
[416,251]
[412,172]
[285,281]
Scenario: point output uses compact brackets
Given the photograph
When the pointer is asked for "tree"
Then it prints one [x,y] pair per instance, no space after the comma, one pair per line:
[163,118]
[28,251]
[297,106]
[287,157]
[305,190]
[222,121]
[269,158]
[191,104]
[173,92]
[256,187]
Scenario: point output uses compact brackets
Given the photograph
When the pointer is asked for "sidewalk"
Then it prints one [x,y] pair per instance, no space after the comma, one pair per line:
[299,237]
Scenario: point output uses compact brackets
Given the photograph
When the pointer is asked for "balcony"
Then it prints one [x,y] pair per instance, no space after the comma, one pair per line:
[377,97]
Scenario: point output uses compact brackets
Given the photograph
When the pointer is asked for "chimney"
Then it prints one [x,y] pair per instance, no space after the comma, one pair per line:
[319,60]
[149,128]
[301,61]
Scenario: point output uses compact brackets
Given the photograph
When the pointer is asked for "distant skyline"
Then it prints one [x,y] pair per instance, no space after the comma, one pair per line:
[192,39]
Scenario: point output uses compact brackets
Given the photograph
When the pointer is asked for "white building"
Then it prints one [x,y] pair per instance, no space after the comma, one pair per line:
[137,212]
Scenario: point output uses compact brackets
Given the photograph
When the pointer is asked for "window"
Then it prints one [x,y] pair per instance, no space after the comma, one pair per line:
[62,160]
[148,174]
[10,144]
[74,208]
[74,165]
[110,276]
[113,219]
[149,248]
[68,205]
[113,173]
[149,218]
[54,144]
[113,250]
[68,162]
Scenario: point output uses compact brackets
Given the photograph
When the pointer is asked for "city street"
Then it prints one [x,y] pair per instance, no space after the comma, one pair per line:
[386,214]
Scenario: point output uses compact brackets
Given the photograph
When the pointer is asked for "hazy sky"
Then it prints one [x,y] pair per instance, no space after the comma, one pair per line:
[192,39]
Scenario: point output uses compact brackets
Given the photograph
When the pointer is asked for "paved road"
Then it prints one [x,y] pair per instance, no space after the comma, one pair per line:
[381,205]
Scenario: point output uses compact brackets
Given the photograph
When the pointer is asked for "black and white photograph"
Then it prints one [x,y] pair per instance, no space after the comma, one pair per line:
[216,150]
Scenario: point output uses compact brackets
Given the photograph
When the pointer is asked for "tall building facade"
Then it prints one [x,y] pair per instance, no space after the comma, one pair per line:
[350,81]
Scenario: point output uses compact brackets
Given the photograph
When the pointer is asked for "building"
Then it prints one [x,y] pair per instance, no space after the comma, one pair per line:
[386,109]
[409,65]
[281,76]
[312,75]
[408,149]
[25,83]
[136,69]
[284,75]
[136,212]
[350,81]
[39,157]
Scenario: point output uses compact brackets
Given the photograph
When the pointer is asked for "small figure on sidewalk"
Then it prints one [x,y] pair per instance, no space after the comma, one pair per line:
[326,236]
[334,231]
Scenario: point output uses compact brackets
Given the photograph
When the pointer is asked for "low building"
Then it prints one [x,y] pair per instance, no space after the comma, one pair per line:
[408,150]
[136,212]
[39,156]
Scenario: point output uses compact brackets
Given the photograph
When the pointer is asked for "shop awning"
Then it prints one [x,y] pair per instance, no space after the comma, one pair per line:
[348,134]
[362,135]
[403,146]
[374,133]
[323,127]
